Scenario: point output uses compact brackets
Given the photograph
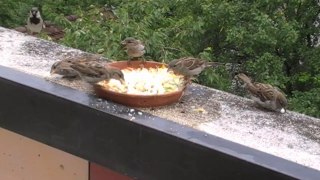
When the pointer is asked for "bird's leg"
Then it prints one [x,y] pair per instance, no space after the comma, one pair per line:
[129,61]
[192,78]
[141,66]
[143,60]
[188,81]
[34,34]
[29,32]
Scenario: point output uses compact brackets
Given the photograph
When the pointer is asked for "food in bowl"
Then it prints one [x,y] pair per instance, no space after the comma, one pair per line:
[146,81]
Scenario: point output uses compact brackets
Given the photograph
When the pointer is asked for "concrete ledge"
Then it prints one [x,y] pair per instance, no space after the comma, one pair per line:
[163,143]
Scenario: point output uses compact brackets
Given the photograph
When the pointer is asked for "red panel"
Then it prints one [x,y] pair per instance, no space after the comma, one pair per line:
[98,172]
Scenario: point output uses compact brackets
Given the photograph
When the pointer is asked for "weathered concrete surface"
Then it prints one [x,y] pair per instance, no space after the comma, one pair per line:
[292,136]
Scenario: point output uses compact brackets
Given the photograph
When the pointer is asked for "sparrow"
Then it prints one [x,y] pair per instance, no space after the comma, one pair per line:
[108,12]
[134,48]
[64,68]
[34,21]
[265,95]
[189,66]
[71,17]
[93,71]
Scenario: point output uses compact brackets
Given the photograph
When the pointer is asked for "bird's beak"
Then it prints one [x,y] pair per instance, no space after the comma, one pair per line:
[34,13]
[52,71]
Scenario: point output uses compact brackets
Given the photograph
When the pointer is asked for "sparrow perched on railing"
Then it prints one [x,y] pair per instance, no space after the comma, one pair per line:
[265,95]
[34,21]
[93,71]
[134,48]
[189,66]
[64,68]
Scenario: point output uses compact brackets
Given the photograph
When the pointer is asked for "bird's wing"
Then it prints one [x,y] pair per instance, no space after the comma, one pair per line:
[140,47]
[192,63]
[87,69]
[214,64]
[265,92]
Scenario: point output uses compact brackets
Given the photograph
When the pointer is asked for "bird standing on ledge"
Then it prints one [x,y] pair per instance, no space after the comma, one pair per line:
[34,21]
[265,95]
[63,67]
[189,66]
[134,48]
[93,71]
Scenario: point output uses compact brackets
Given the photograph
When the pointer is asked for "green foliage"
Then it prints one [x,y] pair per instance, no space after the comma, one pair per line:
[273,41]
[306,102]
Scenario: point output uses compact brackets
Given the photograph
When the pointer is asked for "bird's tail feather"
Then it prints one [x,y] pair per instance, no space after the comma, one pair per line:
[244,78]
[215,64]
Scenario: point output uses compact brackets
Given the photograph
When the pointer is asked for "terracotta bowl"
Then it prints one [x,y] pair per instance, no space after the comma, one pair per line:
[138,100]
